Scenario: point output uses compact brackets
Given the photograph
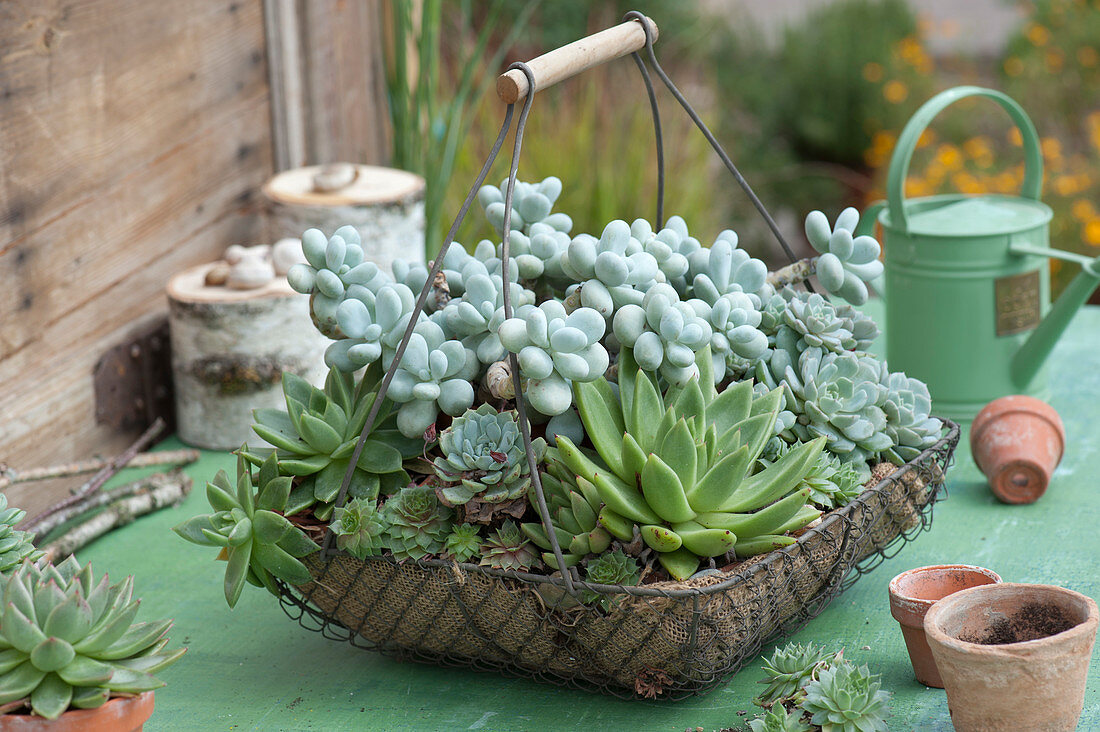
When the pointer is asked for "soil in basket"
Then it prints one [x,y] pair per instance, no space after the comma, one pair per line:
[1030,622]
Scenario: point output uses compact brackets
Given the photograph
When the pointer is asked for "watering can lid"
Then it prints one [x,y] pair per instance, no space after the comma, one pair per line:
[971,216]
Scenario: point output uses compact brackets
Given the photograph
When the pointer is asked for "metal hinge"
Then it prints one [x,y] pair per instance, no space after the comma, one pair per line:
[133,381]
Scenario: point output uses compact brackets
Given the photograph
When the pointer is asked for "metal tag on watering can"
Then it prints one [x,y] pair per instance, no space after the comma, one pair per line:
[967,278]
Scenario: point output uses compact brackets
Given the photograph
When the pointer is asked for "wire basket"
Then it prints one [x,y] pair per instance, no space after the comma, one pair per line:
[667,640]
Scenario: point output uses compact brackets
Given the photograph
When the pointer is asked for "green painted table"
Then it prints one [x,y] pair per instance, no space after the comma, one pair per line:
[254,669]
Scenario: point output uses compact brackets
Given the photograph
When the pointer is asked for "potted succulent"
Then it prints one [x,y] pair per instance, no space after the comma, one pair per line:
[686,412]
[73,659]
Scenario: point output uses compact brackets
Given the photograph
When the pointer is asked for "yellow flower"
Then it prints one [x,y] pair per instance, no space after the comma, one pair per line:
[926,138]
[1038,35]
[1094,129]
[1091,233]
[915,187]
[966,183]
[895,91]
[949,156]
[979,150]
[1087,56]
[1015,137]
[1014,66]
[1083,210]
[1051,147]
[873,72]
[1055,59]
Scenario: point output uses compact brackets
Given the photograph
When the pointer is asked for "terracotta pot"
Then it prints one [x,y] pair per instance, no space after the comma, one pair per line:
[1017,442]
[913,592]
[121,714]
[1030,685]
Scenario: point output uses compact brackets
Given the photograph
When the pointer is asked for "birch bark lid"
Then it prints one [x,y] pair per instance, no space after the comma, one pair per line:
[372,186]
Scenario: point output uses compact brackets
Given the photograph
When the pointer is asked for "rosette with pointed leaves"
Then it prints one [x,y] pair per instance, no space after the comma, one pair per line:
[259,544]
[70,641]
[433,376]
[833,483]
[574,505]
[15,546]
[722,268]
[846,263]
[611,271]
[555,349]
[418,522]
[778,720]
[610,568]
[508,548]
[315,437]
[814,322]
[908,423]
[679,466]
[835,395]
[463,542]
[847,698]
[532,203]
[664,333]
[790,668]
[484,458]
[359,528]
[862,326]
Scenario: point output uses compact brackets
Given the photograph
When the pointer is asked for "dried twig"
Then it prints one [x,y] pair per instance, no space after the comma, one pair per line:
[11,476]
[155,492]
[793,274]
[97,481]
[102,498]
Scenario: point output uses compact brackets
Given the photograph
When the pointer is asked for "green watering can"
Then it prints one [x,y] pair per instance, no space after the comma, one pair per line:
[967,281]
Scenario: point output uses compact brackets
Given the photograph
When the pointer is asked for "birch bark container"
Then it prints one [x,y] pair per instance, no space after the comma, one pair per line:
[229,351]
[384,204]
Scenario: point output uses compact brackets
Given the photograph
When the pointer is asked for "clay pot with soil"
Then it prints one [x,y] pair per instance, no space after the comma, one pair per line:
[1013,656]
[1017,442]
[913,592]
[120,714]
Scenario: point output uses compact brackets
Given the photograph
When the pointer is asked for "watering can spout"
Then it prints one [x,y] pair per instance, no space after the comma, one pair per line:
[1033,353]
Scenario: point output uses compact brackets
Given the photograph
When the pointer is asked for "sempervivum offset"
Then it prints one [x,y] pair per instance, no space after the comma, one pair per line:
[418,522]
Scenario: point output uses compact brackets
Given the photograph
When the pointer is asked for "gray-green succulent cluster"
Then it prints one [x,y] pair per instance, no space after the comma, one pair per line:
[70,641]
[777,719]
[846,262]
[259,544]
[463,543]
[419,523]
[483,457]
[847,698]
[359,528]
[508,548]
[789,669]
[15,546]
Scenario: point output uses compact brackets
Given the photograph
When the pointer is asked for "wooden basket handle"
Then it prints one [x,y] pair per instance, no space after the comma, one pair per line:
[570,60]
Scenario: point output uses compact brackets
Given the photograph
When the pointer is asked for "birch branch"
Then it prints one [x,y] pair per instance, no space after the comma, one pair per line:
[11,476]
[155,492]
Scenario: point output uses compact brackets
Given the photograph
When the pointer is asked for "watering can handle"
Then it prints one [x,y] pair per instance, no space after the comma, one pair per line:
[907,143]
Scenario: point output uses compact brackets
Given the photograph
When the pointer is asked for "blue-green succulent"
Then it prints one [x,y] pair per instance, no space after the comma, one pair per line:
[15,546]
[574,504]
[609,272]
[846,261]
[359,528]
[908,422]
[419,523]
[847,698]
[664,333]
[532,203]
[463,543]
[432,376]
[610,568]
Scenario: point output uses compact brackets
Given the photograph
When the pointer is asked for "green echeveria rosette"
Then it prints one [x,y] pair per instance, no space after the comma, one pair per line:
[789,669]
[359,528]
[815,323]
[70,641]
[863,327]
[508,548]
[484,457]
[432,377]
[419,523]
[846,698]
[15,546]
[463,543]
[315,437]
[777,719]
[611,568]
[664,333]
[846,261]
[908,421]
[555,349]
[259,543]
[833,483]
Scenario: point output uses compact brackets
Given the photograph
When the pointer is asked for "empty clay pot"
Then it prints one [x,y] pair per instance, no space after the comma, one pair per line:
[1017,442]
[913,592]
[994,685]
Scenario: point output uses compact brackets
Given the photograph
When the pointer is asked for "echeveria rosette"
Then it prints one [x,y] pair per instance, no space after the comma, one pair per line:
[863,327]
[908,422]
[483,457]
[555,349]
[777,719]
[574,504]
[359,528]
[789,669]
[664,333]
[833,483]
[532,203]
[838,396]
[677,468]
[70,643]
[814,322]
[260,544]
[432,376]
[508,548]
[463,543]
[722,268]
[315,436]
[846,262]
[847,698]
[609,272]
[418,522]
[15,546]
[610,568]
